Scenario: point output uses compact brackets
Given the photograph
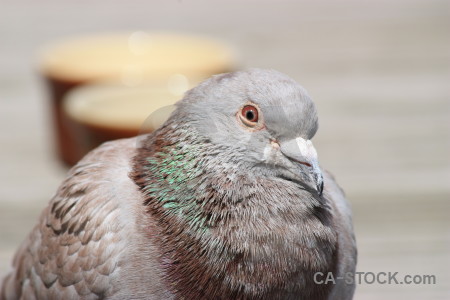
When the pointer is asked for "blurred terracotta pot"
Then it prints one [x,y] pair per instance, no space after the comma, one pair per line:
[102,112]
[130,59]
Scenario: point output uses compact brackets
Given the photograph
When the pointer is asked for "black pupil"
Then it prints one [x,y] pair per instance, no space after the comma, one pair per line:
[250,115]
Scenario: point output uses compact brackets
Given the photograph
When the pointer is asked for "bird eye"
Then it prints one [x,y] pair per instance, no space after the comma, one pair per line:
[250,116]
[250,113]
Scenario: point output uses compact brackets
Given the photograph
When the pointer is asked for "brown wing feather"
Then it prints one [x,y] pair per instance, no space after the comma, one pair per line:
[347,254]
[77,249]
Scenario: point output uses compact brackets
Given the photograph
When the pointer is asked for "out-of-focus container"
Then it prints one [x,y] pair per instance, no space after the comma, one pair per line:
[101,112]
[129,59]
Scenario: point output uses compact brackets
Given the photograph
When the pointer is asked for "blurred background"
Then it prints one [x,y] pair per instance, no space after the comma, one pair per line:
[379,72]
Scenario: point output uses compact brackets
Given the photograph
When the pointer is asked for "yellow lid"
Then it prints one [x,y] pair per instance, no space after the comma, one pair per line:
[120,107]
[135,56]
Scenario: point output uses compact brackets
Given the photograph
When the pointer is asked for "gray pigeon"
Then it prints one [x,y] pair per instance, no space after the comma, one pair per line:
[226,200]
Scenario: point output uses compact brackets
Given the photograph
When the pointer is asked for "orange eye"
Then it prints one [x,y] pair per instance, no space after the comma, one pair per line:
[250,113]
[250,117]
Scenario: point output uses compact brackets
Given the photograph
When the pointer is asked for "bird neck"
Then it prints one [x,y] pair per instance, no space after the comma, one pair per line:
[224,231]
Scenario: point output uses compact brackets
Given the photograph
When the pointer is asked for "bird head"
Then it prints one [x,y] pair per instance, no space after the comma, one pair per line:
[266,117]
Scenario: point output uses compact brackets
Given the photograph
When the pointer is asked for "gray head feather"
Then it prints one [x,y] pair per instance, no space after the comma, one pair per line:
[288,115]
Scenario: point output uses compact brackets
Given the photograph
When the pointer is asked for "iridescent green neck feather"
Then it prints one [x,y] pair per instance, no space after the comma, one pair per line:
[175,169]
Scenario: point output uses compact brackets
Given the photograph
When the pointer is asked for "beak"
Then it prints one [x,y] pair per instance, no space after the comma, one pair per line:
[302,151]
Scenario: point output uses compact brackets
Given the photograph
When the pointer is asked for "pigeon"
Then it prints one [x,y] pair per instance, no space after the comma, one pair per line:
[226,200]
